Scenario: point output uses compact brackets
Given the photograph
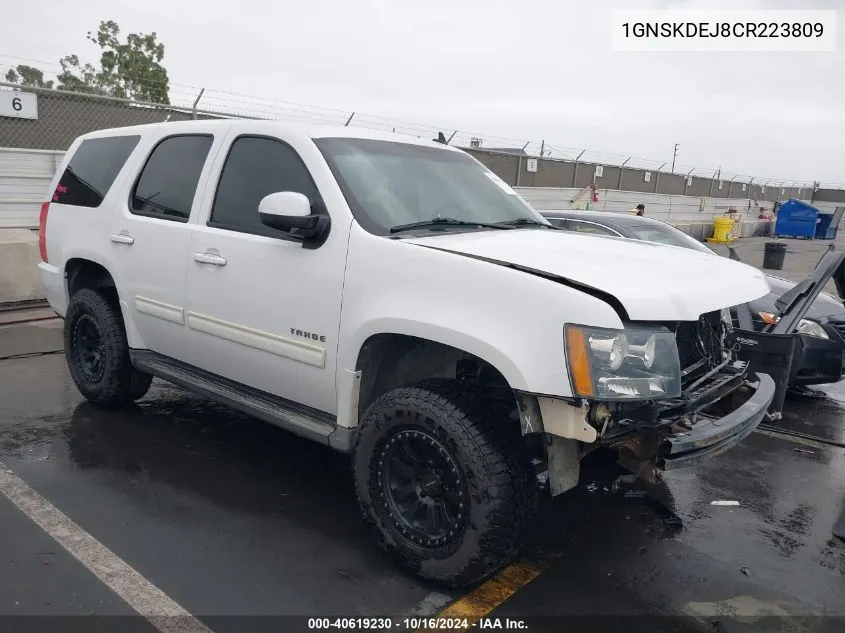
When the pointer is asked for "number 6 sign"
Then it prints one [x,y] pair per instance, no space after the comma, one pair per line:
[18,105]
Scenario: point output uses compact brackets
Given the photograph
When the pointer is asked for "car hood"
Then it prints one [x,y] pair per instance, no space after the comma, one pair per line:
[825,305]
[653,282]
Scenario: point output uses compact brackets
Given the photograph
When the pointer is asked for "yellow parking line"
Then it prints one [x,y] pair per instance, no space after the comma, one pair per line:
[489,595]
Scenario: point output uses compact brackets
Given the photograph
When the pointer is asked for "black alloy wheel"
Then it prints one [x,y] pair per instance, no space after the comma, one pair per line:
[444,479]
[89,348]
[422,487]
[97,350]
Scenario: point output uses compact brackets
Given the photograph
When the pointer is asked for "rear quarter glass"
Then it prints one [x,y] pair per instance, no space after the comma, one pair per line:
[93,169]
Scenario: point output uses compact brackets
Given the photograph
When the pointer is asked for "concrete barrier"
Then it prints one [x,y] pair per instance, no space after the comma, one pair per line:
[702,230]
[19,259]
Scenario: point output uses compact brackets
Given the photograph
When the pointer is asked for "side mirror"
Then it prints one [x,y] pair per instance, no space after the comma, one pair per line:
[290,212]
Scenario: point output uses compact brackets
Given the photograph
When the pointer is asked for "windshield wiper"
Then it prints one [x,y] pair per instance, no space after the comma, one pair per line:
[528,222]
[446,222]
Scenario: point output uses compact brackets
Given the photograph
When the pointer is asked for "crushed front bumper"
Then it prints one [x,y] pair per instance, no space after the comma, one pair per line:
[706,420]
[708,437]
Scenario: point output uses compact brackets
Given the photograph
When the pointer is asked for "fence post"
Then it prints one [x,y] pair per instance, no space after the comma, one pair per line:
[657,177]
[713,181]
[575,171]
[622,172]
[731,186]
[196,101]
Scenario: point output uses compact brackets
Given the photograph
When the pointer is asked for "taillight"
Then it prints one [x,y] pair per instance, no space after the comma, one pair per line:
[42,231]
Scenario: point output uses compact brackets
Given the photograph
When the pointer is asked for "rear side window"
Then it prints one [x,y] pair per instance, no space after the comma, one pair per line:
[255,168]
[92,170]
[589,227]
[168,183]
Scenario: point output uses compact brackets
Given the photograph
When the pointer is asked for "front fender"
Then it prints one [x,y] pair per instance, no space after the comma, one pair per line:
[484,349]
[512,319]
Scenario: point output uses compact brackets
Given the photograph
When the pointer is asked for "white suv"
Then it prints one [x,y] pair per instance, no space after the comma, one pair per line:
[394,299]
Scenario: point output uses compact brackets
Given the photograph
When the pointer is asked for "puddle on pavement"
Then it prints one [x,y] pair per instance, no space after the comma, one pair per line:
[173,439]
[817,417]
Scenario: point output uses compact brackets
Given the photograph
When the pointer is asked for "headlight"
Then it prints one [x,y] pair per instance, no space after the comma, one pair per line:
[769,318]
[805,326]
[631,364]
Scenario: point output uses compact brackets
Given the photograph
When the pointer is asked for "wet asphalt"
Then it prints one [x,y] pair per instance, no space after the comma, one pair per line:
[234,518]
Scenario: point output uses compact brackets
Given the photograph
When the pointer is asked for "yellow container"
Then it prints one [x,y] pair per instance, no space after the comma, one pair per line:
[722,227]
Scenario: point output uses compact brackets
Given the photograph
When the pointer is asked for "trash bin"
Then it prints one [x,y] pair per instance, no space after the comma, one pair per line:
[773,255]
[722,227]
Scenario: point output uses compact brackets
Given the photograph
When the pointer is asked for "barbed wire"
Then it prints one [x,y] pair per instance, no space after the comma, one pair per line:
[229,104]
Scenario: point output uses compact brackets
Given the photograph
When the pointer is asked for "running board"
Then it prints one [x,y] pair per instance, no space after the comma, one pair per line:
[303,421]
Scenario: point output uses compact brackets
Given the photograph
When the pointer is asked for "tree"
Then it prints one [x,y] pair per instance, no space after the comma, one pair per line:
[28,77]
[128,70]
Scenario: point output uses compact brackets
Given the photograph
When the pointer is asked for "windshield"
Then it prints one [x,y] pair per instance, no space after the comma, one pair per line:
[667,235]
[390,184]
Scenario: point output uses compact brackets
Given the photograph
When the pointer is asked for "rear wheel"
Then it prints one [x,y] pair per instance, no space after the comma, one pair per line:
[443,479]
[97,352]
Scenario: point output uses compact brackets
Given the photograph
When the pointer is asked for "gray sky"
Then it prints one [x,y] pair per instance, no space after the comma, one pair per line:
[527,69]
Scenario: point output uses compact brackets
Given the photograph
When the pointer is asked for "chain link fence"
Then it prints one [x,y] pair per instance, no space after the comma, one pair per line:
[63,116]
[60,116]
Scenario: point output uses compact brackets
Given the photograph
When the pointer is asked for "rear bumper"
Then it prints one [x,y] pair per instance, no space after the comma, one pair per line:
[711,436]
[55,289]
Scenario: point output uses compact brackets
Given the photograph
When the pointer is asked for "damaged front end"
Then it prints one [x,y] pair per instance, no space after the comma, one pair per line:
[722,401]
[657,417]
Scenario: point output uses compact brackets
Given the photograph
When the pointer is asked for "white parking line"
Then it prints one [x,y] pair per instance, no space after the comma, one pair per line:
[139,593]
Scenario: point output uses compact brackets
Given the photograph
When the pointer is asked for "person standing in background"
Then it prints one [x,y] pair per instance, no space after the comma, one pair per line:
[639,210]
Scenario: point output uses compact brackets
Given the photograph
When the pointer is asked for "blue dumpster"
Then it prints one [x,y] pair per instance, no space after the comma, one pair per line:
[796,219]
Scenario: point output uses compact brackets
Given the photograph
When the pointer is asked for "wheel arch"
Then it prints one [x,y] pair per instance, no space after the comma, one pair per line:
[89,271]
[386,360]
[82,272]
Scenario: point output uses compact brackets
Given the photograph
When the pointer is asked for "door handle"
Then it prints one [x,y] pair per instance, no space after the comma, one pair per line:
[122,238]
[210,258]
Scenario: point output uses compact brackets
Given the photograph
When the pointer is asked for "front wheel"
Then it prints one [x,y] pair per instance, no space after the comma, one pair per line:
[97,352]
[444,480]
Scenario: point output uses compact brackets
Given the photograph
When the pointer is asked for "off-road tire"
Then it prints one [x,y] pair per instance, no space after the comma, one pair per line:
[509,413]
[118,383]
[488,450]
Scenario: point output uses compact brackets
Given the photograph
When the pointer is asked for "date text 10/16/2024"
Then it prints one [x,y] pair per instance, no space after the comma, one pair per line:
[415,623]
